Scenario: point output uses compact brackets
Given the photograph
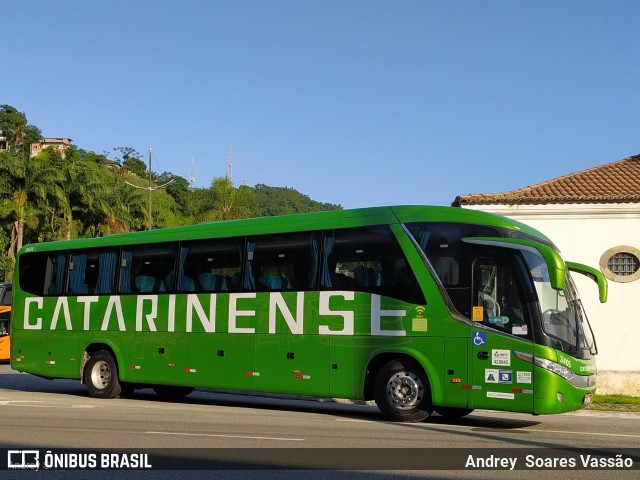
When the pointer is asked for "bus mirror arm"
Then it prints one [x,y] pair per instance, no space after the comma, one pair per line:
[594,275]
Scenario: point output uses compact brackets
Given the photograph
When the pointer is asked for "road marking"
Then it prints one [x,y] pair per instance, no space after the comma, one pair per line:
[39,404]
[596,434]
[353,420]
[525,430]
[226,436]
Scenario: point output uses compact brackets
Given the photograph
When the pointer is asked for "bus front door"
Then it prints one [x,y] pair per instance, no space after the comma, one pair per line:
[501,338]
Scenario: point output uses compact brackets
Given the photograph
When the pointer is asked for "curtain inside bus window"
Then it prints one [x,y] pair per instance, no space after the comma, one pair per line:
[125,271]
[107,266]
[250,281]
[185,283]
[326,273]
[314,271]
[77,285]
[58,264]
[424,239]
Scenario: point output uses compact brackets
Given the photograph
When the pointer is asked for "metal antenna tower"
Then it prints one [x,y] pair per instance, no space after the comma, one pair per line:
[230,165]
[192,177]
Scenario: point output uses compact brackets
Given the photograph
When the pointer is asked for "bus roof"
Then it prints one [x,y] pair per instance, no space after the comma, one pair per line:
[297,222]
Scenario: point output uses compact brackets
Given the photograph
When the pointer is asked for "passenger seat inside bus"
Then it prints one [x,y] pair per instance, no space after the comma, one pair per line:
[275,282]
[145,283]
[212,283]
[149,284]
[367,277]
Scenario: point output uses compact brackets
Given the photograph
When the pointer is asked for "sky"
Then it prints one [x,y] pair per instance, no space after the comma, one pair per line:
[358,103]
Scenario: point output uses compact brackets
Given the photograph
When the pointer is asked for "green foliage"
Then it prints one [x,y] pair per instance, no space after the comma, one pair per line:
[228,202]
[73,194]
[285,200]
[616,399]
[19,135]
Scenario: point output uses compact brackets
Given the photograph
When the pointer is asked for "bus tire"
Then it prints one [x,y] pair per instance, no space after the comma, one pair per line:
[453,412]
[101,375]
[401,391]
[172,392]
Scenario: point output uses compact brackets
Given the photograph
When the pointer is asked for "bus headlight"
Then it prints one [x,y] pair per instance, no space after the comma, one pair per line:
[554,367]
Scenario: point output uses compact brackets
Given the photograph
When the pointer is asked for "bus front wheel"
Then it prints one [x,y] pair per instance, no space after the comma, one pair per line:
[401,391]
[101,375]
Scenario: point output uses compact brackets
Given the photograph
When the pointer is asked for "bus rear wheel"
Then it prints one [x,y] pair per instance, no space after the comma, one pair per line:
[101,375]
[401,391]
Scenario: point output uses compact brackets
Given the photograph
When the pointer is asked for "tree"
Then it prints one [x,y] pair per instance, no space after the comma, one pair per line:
[132,161]
[29,183]
[285,200]
[137,166]
[229,202]
[83,185]
[13,125]
[126,209]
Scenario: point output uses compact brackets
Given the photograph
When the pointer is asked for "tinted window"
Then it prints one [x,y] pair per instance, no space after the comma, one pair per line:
[497,296]
[147,268]
[450,257]
[282,262]
[43,273]
[368,259]
[7,295]
[92,272]
[211,266]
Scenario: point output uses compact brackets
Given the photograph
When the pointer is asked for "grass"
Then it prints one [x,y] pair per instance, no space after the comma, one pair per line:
[616,399]
[615,403]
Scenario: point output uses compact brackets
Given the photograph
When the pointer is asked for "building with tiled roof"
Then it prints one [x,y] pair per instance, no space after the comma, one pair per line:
[613,182]
[60,144]
[593,216]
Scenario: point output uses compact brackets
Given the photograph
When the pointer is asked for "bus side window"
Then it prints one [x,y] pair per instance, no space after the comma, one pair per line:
[282,262]
[148,269]
[210,265]
[32,267]
[497,293]
[8,296]
[368,259]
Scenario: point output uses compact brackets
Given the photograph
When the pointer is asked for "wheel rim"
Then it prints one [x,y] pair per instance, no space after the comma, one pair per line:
[101,375]
[404,390]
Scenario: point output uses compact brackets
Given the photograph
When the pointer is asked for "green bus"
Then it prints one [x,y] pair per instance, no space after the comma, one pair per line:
[419,308]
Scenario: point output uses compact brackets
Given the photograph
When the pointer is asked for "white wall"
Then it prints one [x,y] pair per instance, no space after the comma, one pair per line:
[584,232]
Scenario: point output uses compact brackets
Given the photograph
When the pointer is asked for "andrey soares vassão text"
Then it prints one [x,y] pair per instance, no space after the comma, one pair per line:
[581,461]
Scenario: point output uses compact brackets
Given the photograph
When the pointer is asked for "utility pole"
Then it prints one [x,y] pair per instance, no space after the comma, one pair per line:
[151,190]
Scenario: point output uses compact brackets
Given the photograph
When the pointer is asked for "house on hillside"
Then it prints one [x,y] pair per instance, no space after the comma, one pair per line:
[593,216]
[61,144]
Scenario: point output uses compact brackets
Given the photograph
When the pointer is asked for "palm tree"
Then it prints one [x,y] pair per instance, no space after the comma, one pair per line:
[127,210]
[27,183]
[83,185]
[229,202]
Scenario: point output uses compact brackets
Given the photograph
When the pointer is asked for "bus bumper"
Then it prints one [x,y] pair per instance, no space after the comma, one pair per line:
[554,394]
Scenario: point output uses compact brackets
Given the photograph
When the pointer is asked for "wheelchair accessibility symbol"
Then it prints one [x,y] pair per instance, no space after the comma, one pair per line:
[479,338]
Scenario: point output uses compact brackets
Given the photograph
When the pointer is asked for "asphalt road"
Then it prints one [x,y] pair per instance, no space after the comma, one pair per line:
[272,436]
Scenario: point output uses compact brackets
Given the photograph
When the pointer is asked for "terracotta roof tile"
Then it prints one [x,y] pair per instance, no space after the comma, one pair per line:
[615,182]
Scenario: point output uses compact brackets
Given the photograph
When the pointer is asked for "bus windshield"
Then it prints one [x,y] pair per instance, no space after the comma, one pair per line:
[563,317]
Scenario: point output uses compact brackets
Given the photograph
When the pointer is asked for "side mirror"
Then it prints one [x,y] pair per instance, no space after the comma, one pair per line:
[593,274]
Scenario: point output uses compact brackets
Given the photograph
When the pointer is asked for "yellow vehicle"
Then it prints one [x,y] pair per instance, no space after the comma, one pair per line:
[6,290]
